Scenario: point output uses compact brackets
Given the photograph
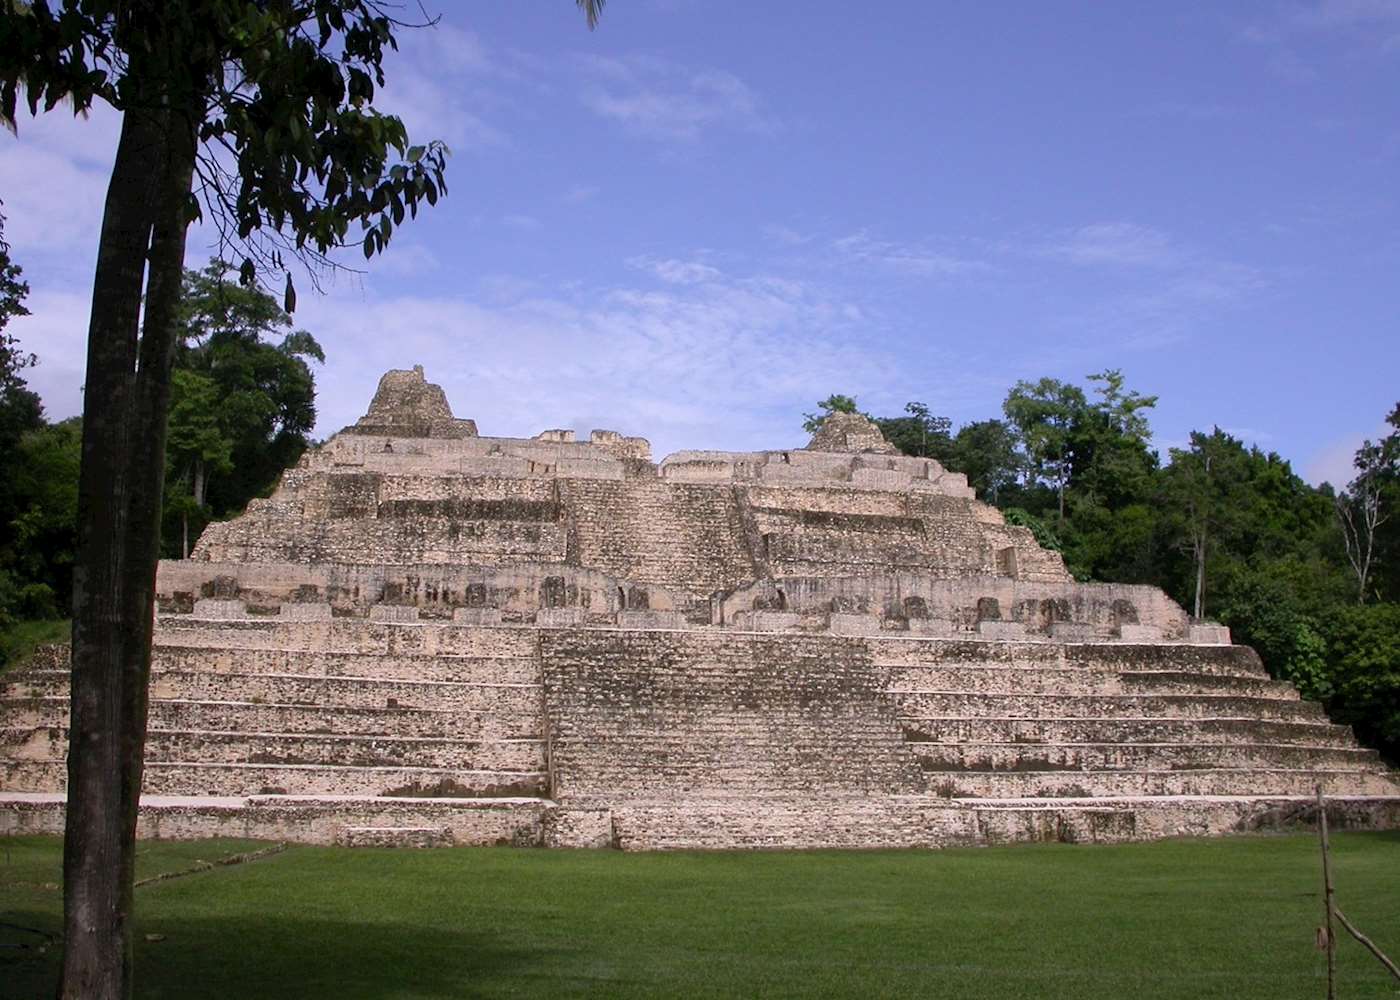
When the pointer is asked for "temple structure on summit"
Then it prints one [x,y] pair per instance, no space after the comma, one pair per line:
[430,636]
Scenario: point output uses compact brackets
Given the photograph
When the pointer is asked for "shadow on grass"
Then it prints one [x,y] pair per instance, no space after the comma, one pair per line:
[272,958]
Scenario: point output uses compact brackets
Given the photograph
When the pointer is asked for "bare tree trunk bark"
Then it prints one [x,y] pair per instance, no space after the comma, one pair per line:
[123,466]
[1198,610]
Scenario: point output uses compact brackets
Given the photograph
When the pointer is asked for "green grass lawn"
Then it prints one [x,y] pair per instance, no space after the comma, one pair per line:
[1222,918]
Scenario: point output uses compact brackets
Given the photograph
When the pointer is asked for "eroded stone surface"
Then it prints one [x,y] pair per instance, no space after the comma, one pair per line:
[426,636]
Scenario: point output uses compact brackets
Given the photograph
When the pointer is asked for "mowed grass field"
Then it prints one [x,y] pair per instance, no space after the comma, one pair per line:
[1222,918]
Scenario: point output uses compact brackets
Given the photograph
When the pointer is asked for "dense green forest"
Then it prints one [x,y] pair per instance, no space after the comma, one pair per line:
[1308,576]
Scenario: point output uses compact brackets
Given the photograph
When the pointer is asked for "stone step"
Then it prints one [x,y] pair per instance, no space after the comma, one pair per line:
[1029,732]
[265,717]
[1056,680]
[401,666]
[1058,706]
[1101,657]
[300,819]
[358,751]
[1115,820]
[1222,781]
[1185,682]
[396,836]
[347,635]
[296,689]
[1008,757]
[201,778]
[915,821]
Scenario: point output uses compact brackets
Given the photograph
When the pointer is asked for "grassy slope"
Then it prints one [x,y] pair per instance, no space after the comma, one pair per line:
[1225,918]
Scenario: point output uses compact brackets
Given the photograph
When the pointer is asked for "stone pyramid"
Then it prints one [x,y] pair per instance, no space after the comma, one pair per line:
[426,636]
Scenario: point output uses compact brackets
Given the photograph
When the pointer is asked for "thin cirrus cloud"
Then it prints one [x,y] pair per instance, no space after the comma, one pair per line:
[1113,243]
[905,258]
[681,360]
[661,100]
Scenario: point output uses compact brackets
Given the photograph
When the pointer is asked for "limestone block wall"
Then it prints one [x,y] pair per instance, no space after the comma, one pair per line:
[687,537]
[436,590]
[962,602]
[674,714]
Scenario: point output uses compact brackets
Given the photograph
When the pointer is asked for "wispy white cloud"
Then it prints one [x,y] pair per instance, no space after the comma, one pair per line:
[905,258]
[53,179]
[1113,243]
[697,358]
[664,101]
[676,272]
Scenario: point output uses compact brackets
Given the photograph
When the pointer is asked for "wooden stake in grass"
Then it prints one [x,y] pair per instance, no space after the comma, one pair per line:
[1326,935]
[1329,937]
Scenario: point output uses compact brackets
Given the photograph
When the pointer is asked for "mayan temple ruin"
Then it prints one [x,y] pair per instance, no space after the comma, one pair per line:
[427,636]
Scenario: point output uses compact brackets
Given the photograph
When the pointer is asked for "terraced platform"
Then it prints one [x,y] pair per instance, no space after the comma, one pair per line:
[428,637]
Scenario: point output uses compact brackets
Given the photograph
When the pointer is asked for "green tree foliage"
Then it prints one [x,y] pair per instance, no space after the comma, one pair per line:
[1363,654]
[1367,508]
[987,452]
[20,409]
[1202,487]
[1045,414]
[918,433]
[243,401]
[36,559]
[835,403]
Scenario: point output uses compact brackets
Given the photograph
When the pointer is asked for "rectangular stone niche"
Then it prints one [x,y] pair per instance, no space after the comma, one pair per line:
[1001,630]
[213,607]
[933,628]
[766,621]
[847,624]
[1073,632]
[650,619]
[306,612]
[393,613]
[559,617]
[476,616]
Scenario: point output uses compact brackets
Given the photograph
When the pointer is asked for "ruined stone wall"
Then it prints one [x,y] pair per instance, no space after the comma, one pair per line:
[686,537]
[668,714]
[435,589]
[963,602]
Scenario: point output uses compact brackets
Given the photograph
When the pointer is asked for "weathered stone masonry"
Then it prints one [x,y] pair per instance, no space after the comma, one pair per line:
[426,637]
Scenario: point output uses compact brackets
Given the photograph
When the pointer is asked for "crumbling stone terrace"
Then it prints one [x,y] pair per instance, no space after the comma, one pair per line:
[427,636]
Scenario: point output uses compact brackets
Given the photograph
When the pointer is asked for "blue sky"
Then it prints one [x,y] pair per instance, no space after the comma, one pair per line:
[699,219]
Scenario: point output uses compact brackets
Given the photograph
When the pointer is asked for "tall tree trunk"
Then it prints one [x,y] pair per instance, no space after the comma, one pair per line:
[1198,609]
[123,465]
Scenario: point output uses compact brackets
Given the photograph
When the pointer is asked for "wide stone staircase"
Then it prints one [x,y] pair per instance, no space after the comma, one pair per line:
[1113,741]
[343,730]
